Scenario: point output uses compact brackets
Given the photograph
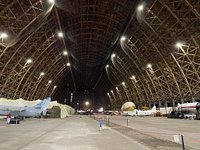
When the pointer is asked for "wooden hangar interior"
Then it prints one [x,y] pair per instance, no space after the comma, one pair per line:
[109,51]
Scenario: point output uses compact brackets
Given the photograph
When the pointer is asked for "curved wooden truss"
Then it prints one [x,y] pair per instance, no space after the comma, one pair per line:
[18,77]
[157,63]
[173,75]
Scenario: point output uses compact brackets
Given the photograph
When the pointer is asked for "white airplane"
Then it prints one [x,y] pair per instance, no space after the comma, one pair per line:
[31,111]
[137,112]
[193,107]
[81,112]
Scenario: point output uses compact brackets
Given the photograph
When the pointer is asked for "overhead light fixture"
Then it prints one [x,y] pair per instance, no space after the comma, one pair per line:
[123,38]
[87,103]
[68,64]
[116,88]
[3,35]
[55,87]
[123,83]
[111,91]
[140,7]
[51,1]
[149,66]
[108,94]
[65,53]
[113,55]
[132,77]
[179,45]
[60,34]
[42,74]
[29,61]
[107,66]
[100,110]
[49,81]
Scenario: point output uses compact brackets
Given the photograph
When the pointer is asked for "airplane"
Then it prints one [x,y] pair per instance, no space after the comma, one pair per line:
[190,110]
[39,109]
[193,107]
[137,112]
[81,112]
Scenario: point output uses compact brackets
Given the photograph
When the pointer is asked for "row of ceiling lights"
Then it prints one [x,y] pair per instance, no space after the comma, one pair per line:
[4,35]
[123,38]
[178,45]
[149,66]
[61,35]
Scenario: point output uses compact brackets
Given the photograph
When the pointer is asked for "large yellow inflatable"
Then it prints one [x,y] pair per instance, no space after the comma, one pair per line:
[128,106]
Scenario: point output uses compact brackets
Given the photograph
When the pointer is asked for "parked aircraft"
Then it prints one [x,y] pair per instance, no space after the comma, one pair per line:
[193,107]
[81,112]
[137,112]
[37,110]
[190,110]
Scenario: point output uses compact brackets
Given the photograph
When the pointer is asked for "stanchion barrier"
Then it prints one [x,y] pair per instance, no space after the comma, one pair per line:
[178,136]
[182,140]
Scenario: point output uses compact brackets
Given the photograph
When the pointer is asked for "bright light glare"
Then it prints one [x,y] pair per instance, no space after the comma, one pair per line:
[87,103]
[123,83]
[68,64]
[140,7]
[42,73]
[51,1]
[29,61]
[123,38]
[113,55]
[49,81]
[107,93]
[133,77]
[149,66]
[55,87]
[3,35]
[107,66]
[179,45]
[60,34]
[65,53]
[116,88]
[111,91]
[101,109]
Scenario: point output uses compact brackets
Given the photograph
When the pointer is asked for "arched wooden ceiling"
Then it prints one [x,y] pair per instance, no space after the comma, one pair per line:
[92,30]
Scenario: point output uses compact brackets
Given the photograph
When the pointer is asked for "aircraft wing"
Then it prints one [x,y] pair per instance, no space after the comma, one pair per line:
[15,109]
[132,113]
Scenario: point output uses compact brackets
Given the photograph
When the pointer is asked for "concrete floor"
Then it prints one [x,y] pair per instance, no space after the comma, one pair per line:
[164,128]
[72,133]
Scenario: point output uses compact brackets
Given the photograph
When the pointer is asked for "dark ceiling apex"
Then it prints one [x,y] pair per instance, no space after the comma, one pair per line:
[94,26]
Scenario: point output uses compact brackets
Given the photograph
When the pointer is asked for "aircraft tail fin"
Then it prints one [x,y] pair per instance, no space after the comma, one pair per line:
[38,105]
[153,108]
[45,103]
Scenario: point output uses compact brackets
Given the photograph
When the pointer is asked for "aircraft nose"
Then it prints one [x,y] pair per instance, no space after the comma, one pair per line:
[198,107]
